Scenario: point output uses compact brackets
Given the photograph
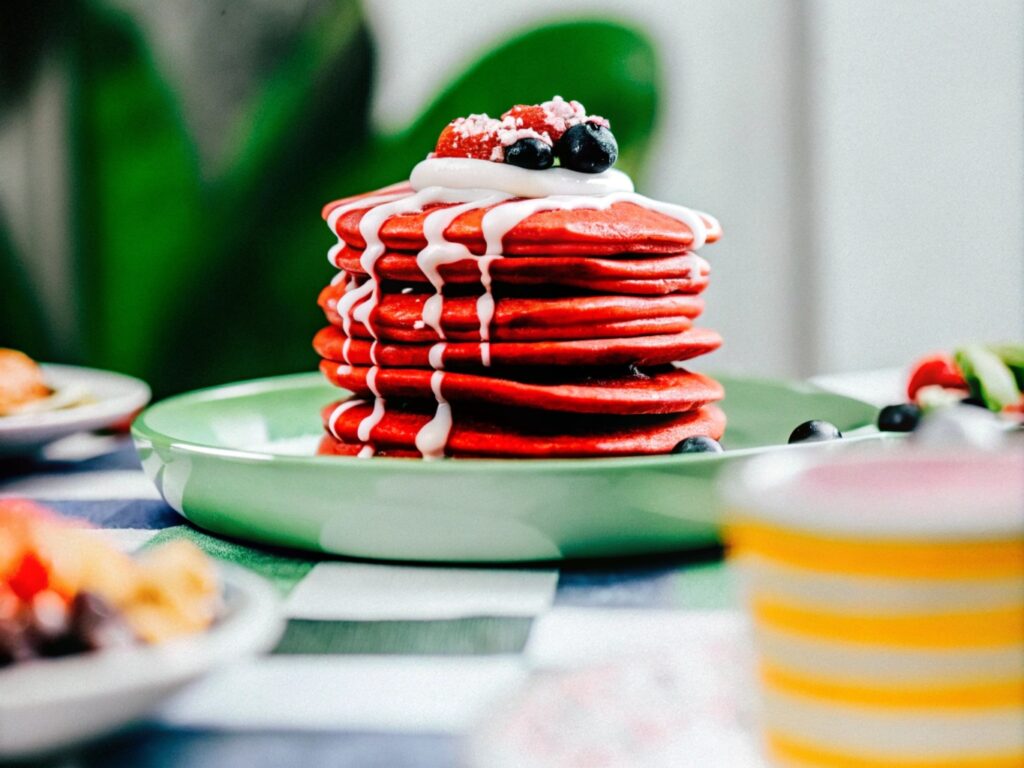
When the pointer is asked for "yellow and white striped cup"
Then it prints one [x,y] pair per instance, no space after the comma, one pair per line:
[886,593]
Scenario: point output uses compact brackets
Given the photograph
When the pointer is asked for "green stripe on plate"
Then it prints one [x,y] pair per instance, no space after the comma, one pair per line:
[283,571]
[485,635]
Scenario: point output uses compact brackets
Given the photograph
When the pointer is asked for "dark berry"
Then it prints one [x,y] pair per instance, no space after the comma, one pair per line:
[15,642]
[48,624]
[899,418]
[975,401]
[815,431]
[530,153]
[587,148]
[96,624]
[698,444]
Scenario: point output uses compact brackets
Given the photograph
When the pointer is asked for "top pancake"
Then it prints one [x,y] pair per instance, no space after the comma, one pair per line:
[623,227]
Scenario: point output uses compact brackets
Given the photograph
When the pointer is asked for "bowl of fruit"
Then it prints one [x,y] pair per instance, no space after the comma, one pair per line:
[92,639]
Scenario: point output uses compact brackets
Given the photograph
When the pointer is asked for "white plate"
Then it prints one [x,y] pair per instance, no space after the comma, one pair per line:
[50,704]
[114,397]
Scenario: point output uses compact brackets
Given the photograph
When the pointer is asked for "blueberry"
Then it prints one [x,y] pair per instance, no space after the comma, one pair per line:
[530,153]
[698,444]
[588,148]
[815,431]
[899,418]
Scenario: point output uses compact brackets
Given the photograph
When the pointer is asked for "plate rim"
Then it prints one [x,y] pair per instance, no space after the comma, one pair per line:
[137,394]
[142,431]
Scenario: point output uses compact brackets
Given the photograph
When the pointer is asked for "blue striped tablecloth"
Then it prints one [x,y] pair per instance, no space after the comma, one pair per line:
[381,664]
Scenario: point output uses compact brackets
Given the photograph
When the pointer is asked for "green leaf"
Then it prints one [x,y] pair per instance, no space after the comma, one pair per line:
[251,306]
[988,376]
[138,214]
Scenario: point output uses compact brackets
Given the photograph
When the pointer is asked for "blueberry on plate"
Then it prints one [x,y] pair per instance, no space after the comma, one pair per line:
[530,153]
[587,148]
[903,417]
[698,444]
[815,431]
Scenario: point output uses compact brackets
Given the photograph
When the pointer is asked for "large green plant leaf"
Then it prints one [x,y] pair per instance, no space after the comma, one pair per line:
[251,305]
[138,203]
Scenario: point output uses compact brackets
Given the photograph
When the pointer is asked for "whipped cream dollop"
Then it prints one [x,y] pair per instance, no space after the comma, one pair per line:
[469,173]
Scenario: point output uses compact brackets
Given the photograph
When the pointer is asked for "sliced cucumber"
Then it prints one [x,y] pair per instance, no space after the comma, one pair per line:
[988,376]
[1013,356]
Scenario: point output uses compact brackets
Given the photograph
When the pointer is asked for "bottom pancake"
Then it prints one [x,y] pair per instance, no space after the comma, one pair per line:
[514,434]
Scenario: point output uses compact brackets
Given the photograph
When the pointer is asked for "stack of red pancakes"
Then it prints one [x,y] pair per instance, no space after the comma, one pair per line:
[505,327]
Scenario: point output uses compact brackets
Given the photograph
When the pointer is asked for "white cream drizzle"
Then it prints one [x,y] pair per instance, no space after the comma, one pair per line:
[345,346]
[468,173]
[470,185]
[436,356]
[366,425]
[332,422]
[440,251]
[366,452]
[485,304]
[432,437]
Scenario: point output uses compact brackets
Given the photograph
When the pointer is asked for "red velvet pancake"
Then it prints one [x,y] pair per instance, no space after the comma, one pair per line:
[329,343]
[656,275]
[662,391]
[472,436]
[398,317]
[621,228]
[331,446]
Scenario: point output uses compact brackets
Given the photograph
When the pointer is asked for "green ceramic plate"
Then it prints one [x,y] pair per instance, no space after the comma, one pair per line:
[238,460]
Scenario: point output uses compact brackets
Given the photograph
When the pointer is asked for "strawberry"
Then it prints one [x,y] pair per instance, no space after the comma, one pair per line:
[553,117]
[533,117]
[939,369]
[475,136]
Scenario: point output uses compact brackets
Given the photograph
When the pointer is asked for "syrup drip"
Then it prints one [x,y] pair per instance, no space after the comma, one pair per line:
[366,426]
[440,251]
[432,438]
[332,422]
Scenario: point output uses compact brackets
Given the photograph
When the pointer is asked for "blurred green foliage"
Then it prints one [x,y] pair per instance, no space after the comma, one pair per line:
[186,277]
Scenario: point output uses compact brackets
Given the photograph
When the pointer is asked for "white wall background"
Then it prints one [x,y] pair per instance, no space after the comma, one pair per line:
[865,157]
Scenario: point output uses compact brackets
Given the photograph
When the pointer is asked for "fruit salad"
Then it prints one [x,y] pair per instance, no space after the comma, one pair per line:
[24,390]
[64,590]
[991,376]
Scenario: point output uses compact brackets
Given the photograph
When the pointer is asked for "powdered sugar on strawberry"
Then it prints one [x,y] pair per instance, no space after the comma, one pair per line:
[553,117]
[474,136]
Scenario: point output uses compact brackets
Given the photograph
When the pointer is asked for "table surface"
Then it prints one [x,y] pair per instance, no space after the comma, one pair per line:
[381,664]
